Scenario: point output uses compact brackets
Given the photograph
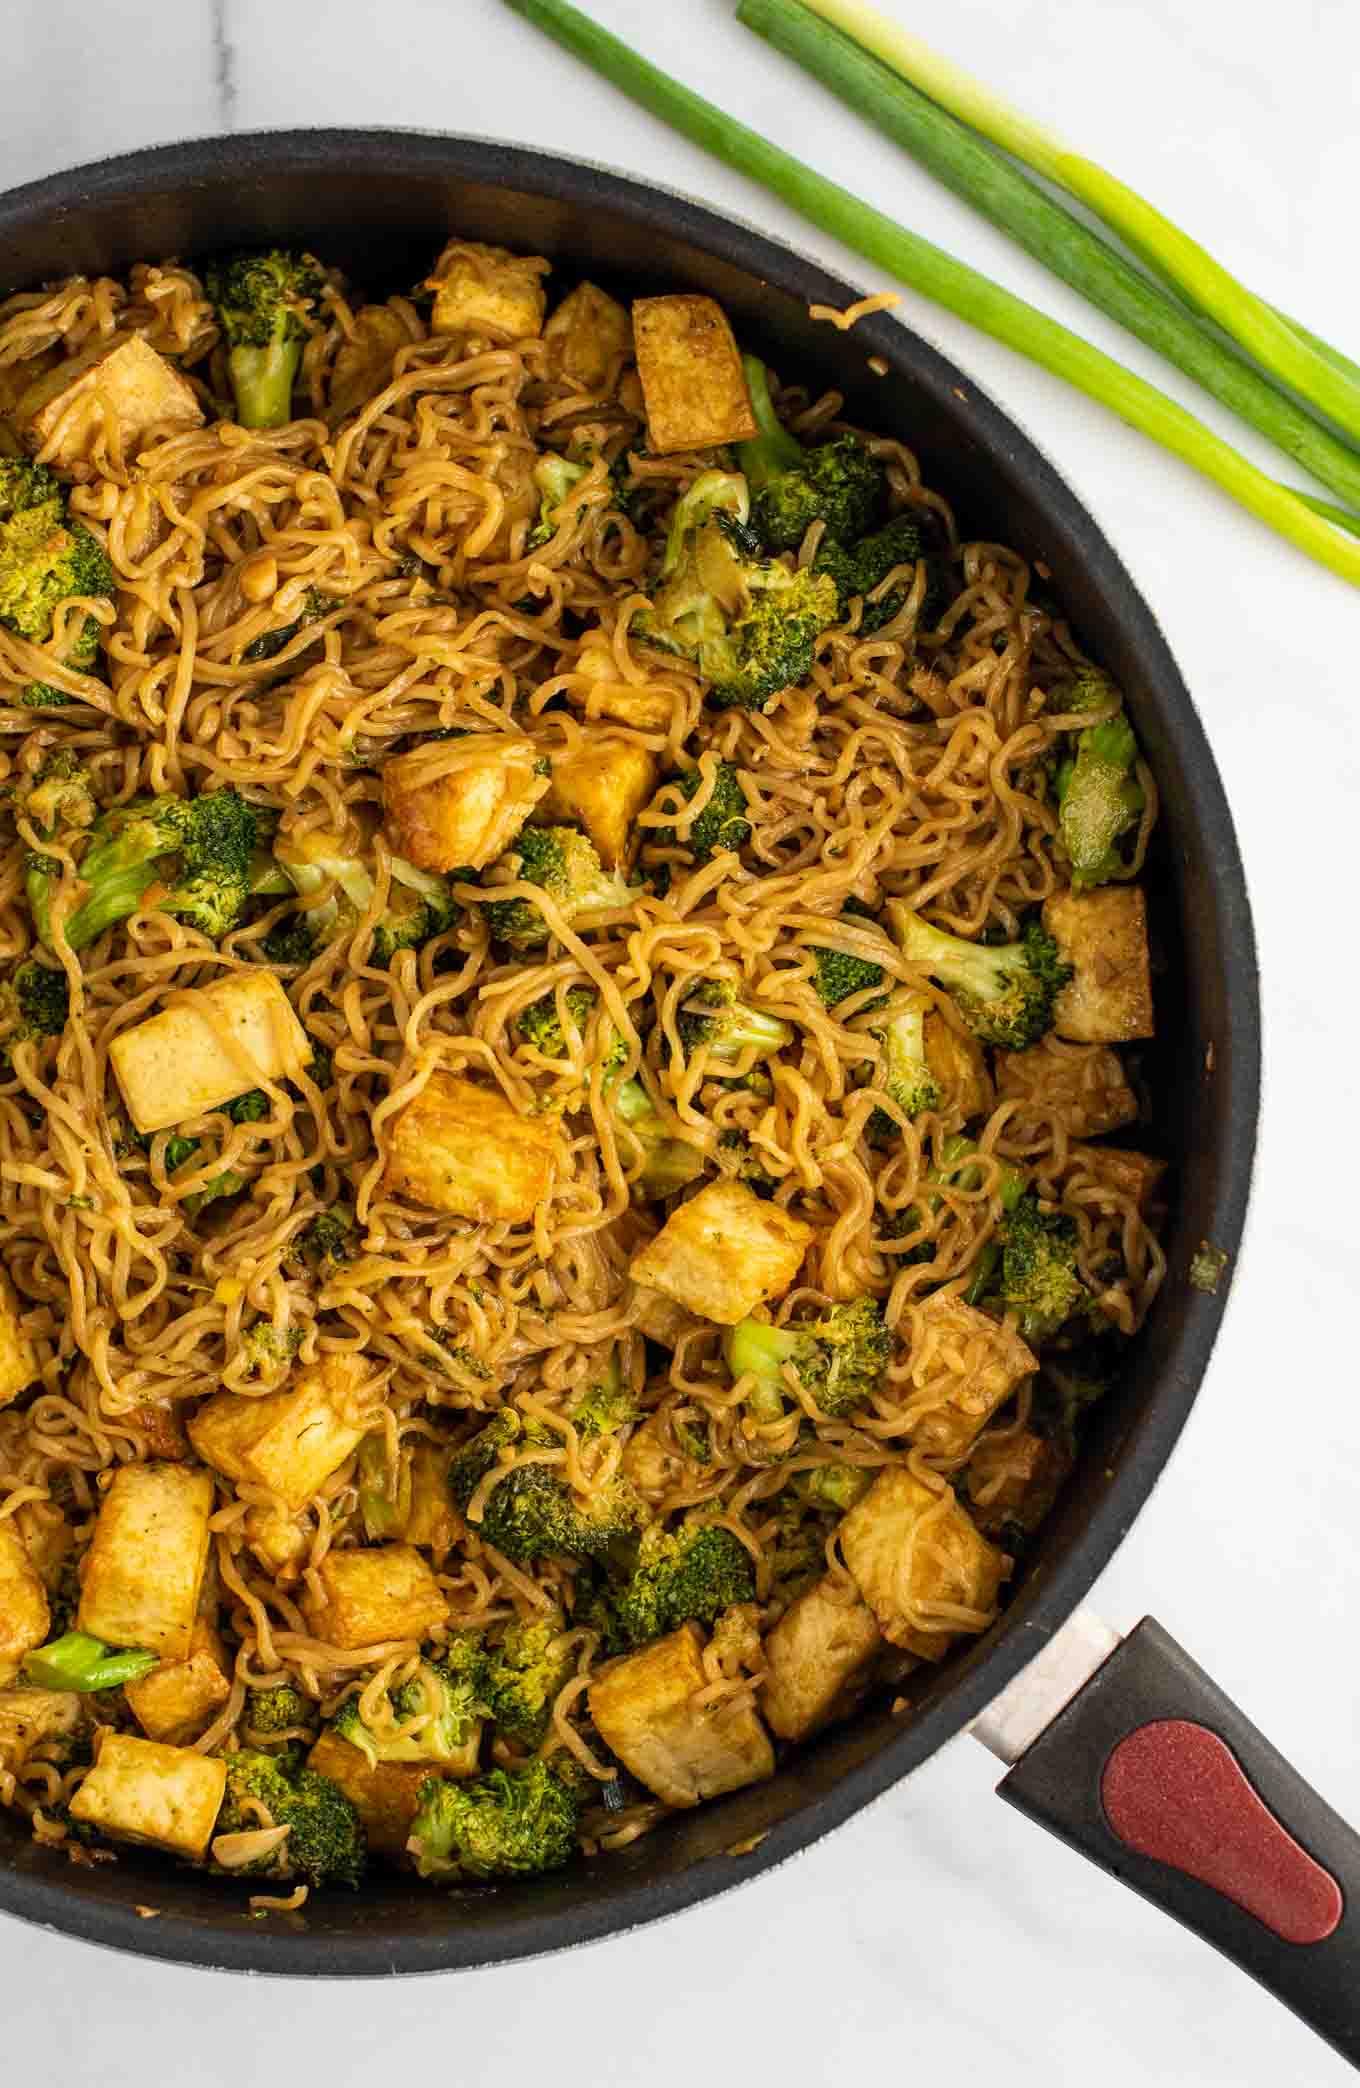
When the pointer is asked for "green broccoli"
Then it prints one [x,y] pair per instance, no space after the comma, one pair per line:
[265,305]
[1100,801]
[530,1514]
[668,1163]
[270,1347]
[722,823]
[564,865]
[540,1025]
[249,1108]
[606,1405]
[524,1674]
[324,1246]
[694,1572]
[35,1002]
[839,973]
[271,1714]
[741,1160]
[325,1842]
[860,569]
[906,1073]
[440,1706]
[420,906]
[837,483]
[835,1486]
[1004,991]
[1089,689]
[84,1664]
[503,1825]
[315,606]
[554,477]
[199,849]
[46,558]
[1039,1280]
[715,1017]
[840,1359]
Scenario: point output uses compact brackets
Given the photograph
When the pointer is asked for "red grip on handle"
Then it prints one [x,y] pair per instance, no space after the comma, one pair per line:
[1174,1791]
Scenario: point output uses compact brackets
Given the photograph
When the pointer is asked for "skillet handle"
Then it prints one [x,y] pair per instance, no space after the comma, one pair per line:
[1154,1773]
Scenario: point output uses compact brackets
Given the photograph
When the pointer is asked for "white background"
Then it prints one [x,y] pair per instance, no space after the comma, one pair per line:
[939,1936]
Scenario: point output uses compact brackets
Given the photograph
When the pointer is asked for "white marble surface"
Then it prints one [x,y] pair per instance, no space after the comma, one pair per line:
[938,1936]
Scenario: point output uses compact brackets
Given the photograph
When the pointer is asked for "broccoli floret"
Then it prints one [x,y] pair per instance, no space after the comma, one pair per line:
[858,569]
[839,1359]
[694,1572]
[722,823]
[1089,689]
[315,605]
[668,1163]
[276,1711]
[46,557]
[906,1071]
[1004,991]
[178,1151]
[835,1486]
[554,477]
[839,973]
[523,1675]
[838,483]
[34,1005]
[530,1514]
[540,1024]
[1039,1280]
[84,1664]
[771,645]
[265,305]
[198,848]
[713,1015]
[325,1842]
[605,1406]
[564,865]
[269,1347]
[419,907]
[506,1824]
[324,1246]
[1100,801]
[439,1708]
[741,1161]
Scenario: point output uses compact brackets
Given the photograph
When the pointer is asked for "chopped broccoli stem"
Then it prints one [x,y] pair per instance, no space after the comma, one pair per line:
[565,866]
[723,823]
[837,483]
[509,1823]
[84,1664]
[713,1016]
[325,1841]
[839,1360]
[694,1572]
[1100,801]
[835,1486]
[668,1163]
[554,477]
[906,1070]
[265,304]
[1004,992]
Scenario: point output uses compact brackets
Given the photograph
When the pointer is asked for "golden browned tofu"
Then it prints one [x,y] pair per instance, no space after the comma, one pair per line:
[465,814]
[385,1795]
[206,1048]
[279,1541]
[486,289]
[603,788]
[1118,1170]
[143,1791]
[371,1596]
[691,373]
[1082,1085]
[363,363]
[819,1655]
[177,1699]
[587,334]
[723,1253]
[18,1357]
[959,1064]
[644,1708]
[1103,935]
[28,1717]
[926,1572]
[24,1614]
[291,1440]
[1013,1479]
[963,1367]
[646,706]
[460,1147]
[122,388]
[432,1522]
[144,1569]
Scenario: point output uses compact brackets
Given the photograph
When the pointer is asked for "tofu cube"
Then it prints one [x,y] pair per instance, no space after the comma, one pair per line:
[819,1656]
[465,813]
[963,1367]
[915,1560]
[370,1597]
[293,1439]
[692,382]
[363,363]
[646,706]
[1082,1085]
[124,387]
[460,1147]
[587,335]
[723,1253]
[143,1791]
[28,1717]
[144,1569]
[19,1366]
[432,1523]
[1116,1171]
[1013,1479]
[603,788]
[683,1751]
[386,1795]
[487,289]
[279,1541]
[24,1614]
[959,1063]
[1103,935]
[179,1063]
[177,1700]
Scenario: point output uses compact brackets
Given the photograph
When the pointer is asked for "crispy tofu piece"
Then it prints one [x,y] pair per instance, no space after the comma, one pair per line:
[143,1791]
[291,1440]
[1013,1480]
[914,1562]
[120,384]
[723,1253]
[363,363]
[487,289]
[603,788]
[1103,934]
[385,1795]
[371,1596]
[18,1358]
[279,1541]
[24,1614]
[462,817]
[460,1147]
[144,1569]
[963,1367]
[692,381]
[1083,1085]
[647,707]
[176,1700]
[959,1063]
[685,1752]
[177,1064]
[819,1656]
[1118,1170]
[587,334]
[432,1524]
[28,1717]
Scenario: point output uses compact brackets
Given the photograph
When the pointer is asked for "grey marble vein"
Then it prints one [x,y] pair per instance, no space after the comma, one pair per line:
[224,63]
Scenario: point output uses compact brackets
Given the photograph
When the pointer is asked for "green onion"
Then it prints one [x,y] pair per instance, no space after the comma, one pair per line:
[1052,233]
[1315,373]
[86,1664]
[950,283]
